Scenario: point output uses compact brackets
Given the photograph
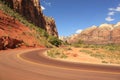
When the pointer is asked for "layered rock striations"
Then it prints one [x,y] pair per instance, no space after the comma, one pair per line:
[103,34]
[32,11]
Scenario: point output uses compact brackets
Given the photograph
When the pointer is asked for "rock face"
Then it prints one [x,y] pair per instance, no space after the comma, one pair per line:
[32,11]
[104,34]
[50,26]
[7,42]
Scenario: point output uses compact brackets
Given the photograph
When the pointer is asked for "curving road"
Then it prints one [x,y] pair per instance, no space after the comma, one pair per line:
[33,65]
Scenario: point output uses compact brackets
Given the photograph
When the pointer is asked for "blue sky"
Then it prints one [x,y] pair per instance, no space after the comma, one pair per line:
[77,15]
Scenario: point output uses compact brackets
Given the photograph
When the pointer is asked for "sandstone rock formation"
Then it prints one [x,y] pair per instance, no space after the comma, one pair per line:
[104,34]
[50,26]
[7,42]
[32,11]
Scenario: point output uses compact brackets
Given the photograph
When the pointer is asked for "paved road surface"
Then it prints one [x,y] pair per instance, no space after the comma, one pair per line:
[32,65]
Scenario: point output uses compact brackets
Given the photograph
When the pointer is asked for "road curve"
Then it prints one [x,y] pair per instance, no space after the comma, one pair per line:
[33,65]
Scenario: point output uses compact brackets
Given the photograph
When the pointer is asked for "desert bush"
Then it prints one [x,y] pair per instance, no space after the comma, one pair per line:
[54,41]
[76,45]
[98,55]
[66,42]
[109,47]
[80,42]
[56,53]
[64,56]
[86,51]
[69,48]
[104,62]
[86,46]
[95,49]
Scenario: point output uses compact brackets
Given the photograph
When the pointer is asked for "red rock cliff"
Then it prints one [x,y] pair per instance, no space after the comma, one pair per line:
[32,11]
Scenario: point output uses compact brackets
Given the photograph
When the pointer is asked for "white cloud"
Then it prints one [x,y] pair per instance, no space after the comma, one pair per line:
[109,19]
[117,9]
[111,13]
[111,9]
[43,8]
[79,31]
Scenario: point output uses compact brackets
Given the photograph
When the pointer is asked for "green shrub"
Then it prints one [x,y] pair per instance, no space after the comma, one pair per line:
[55,41]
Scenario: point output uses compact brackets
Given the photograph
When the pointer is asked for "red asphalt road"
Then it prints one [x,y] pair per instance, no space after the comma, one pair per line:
[33,65]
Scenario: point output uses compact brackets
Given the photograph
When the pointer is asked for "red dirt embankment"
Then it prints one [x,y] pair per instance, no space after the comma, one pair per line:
[14,34]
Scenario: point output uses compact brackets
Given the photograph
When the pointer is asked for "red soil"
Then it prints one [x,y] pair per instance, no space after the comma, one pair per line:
[16,30]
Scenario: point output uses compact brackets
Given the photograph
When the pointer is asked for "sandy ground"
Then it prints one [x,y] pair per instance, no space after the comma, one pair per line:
[74,55]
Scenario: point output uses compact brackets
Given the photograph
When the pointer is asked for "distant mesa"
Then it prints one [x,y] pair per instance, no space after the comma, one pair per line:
[117,25]
[107,26]
[103,34]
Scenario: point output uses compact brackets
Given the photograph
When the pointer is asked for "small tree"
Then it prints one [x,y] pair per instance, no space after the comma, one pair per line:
[55,41]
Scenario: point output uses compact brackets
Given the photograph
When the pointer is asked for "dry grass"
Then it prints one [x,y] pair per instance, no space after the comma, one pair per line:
[99,54]
[56,53]
[109,53]
[104,54]
[107,56]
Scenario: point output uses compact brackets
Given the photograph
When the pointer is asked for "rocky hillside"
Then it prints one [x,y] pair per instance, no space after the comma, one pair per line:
[16,31]
[15,34]
[103,34]
[32,11]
